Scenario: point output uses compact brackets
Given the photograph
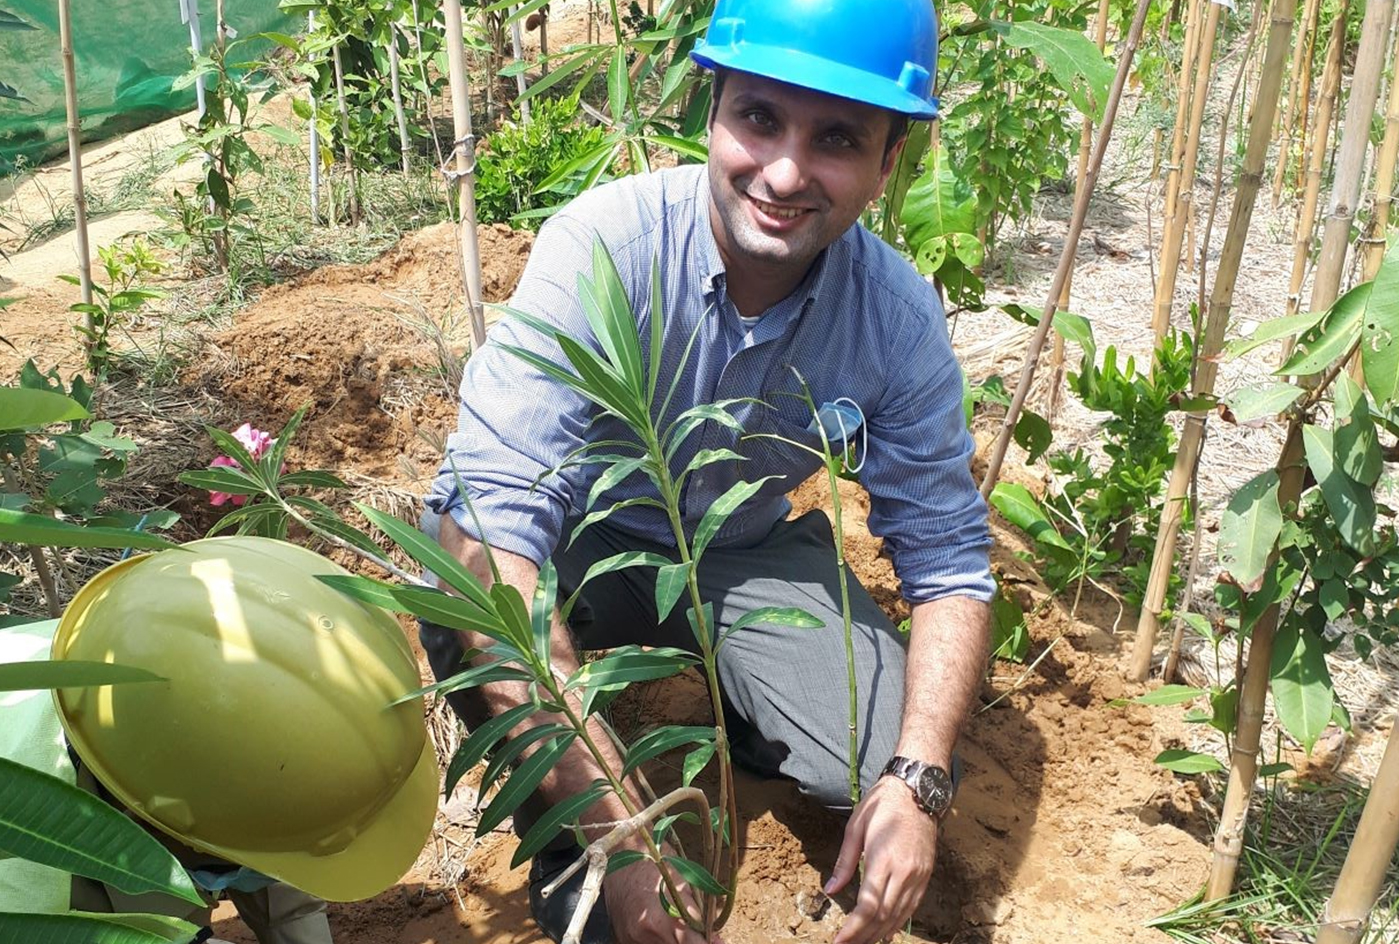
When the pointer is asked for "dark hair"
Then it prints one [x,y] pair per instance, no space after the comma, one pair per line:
[898,122]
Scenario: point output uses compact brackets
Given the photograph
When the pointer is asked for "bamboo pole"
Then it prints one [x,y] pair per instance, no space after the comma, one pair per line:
[1302,56]
[517,46]
[464,173]
[1085,146]
[1384,176]
[345,135]
[1178,211]
[1193,17]
[1358,888]
[1126,54]
[1265,106]
[313,132]
[405,146]
[1326,285]
[75,158]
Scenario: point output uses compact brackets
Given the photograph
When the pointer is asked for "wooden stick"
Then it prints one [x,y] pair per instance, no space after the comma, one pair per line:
[314,143]
[1085,146]
[1358,888]
[1177,212]
[465,171]
[405,147]
[1326,284]
[1265,106]
[75,158]
[1126,54]
[345,135]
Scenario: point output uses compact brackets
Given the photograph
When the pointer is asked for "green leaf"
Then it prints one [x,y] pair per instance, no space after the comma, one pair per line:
[695,761]
[1272,331]
[937,204]
[430,555]
[1303,693]
[1033,434]
[522,782]
[630,664]
[716,514]
[69,673]
[775,616]
[657,742]
[561,814]
[1357,441]
[1257,403]
[710,456]
[1352,506]
[1379,334]
[481,740]
[671,581]
[275,457]
[1249,529]
[1188,762]
[53,823]
[1170,695]
[1073,60]
[696,875]
[694,150]
[618,85]
[78,927]
[1010,637]
[514,614]
[23,528]
[23,408]
[1334,598]
[1020,508]
[546,589]
[313,478]
[223,479]
[1321,347]
[615,562]
[687,422]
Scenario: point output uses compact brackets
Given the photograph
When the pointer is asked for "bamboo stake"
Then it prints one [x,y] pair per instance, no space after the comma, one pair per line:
[1177,212]
[405,146]
[345,135]
[1265,106]
[1085,145]
[1326,285]
[314,144]
[75,158]
[1302,56]
[1348,911]
[1384,177]
[464,173]
[1193,17]
[1126,54]
[517,46]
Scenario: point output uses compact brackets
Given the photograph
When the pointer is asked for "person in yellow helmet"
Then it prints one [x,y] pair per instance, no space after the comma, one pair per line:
[267,759]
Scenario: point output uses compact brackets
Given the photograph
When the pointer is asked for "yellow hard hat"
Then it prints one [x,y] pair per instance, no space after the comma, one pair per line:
[271,744]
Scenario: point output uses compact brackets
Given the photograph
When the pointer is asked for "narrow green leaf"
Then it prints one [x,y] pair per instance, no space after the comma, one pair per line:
[671,581]
[1170,695]
[1249,529]
[23,408]
[657,319]
[630,664]
[53,823]
[1188,762]
[20,527]
[276,456]
[777,616]
[523,781]
[694,150]
[69,673]
[1303,693]
[430,555]
[565,813]
[695,761]
[687,422]
[481,740]
[513,749]
[546,589]
[696,875]
[612,476]
[428,603]
[618,85]
[1352,505]
[602,514]
[227,480]
[476,675]
[657,742]
[718,513]
[709,457]
[313,478]
[615,562]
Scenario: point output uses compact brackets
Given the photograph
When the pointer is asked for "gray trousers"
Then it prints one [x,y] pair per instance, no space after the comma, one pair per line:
[786,693]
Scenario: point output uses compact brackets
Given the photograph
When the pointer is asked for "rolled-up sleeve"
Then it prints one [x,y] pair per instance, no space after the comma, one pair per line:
[516,424]
[923,500]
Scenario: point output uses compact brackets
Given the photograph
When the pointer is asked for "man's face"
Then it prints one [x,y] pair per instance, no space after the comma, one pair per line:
[790,170]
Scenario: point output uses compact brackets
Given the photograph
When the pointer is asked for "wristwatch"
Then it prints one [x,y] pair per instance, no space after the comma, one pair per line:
[931,786]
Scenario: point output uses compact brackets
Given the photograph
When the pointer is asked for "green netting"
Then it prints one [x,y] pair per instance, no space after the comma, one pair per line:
[127,54]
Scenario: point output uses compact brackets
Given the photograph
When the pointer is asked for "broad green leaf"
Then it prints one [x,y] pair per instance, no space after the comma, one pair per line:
[20,527]
[716,514]
[1257,403]
[1022,509]
[911,158]
[1078,330]
[1033,434]
[1352,505]
[697,875]
[657,742]
[1334,598]
[1357,442]
[523,780]
[84,928]
[1273,770]
[615,562]
[1188,762]
[481,740]
[1322,346]
[671,581]
[559,815]
[1074,61]
[1249,529]
[53,823]
[937,204]
[1379,335]
[69,673]
[23,408]
[1010,638]
[1272,331]
[1170,695]
[1303,693]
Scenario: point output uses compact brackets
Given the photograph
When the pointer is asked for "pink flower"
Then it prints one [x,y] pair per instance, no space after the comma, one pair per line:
[256,442]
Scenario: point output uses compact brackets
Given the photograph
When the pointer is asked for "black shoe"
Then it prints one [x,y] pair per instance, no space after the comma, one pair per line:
[553,914]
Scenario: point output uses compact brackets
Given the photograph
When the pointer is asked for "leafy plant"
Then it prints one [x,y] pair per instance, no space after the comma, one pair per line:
[126,265]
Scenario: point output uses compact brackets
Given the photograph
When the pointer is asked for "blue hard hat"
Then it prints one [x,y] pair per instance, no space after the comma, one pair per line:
[881,52]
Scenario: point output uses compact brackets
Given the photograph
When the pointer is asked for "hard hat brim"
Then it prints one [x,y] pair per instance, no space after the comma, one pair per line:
[813,72]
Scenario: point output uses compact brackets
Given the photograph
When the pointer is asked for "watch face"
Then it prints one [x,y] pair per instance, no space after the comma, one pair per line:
[934,789]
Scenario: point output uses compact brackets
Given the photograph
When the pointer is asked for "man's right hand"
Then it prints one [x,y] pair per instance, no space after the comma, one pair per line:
[634,903]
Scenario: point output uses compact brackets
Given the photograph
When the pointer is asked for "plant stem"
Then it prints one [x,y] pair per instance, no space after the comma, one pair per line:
[75,157]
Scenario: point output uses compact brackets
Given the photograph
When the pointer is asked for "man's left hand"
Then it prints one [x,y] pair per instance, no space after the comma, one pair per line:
[898,842]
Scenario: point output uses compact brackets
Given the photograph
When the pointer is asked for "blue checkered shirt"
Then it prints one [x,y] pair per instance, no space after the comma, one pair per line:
[862,325]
